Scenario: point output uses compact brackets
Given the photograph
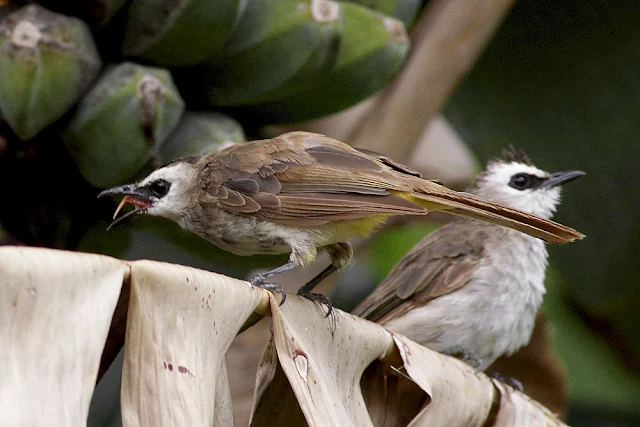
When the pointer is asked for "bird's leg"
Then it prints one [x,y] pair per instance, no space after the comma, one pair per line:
[341,255]
[260,278]
[508,381]
[305,290]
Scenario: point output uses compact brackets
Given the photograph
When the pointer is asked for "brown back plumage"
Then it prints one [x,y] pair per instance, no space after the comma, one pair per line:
[305,180]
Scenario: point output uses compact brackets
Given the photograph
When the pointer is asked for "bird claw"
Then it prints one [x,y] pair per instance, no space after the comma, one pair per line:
[465,356]
[508,381]
[258,280]
[322,299]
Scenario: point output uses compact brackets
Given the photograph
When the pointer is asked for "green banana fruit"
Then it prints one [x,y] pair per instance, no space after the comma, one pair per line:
[200,132]
[47,61]
[320,61]
[404,10]
[373,49]
[274,42]
[179,32]
[122,123]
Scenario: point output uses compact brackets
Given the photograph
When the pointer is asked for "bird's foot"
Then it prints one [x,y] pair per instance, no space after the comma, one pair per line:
[322,299]
[465,356]
[259,281]
[508,381]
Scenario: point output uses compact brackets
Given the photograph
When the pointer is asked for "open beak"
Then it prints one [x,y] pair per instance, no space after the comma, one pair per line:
[138,197]
[560,178]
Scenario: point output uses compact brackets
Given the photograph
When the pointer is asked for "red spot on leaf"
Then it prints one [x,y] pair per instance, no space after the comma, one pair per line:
[183,370]
[170,367]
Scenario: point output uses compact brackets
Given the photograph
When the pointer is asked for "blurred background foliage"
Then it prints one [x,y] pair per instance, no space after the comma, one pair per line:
[98,92]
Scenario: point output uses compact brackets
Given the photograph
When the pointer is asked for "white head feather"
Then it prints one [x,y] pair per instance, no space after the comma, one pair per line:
[494,185]
[181,176]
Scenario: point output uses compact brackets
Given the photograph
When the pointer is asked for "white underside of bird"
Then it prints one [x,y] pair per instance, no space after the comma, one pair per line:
[494,313]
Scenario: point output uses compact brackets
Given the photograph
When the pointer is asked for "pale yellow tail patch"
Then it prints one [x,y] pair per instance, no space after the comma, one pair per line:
[428,205]
[341,231]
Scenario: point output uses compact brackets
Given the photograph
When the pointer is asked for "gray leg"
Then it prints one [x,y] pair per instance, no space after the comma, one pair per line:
[260,278]
[467,357]
[508,381]
[306,289]
[341,254]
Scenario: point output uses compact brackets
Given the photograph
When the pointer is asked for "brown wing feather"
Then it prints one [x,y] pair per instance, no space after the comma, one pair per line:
[391,163]
[315,179]
[321,208]
[439,264]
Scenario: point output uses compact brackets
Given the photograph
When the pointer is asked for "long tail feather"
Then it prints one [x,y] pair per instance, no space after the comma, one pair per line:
[465,204]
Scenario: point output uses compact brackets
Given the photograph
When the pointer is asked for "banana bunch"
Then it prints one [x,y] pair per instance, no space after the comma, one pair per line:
[373,48]
[318,57]
[276,45]
[178,33]
[266,61]
[122,122]
[201,132]
[181,78]
[47,61]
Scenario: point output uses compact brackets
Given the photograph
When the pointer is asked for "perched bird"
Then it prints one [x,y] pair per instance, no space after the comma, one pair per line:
[302,191]
[472,289]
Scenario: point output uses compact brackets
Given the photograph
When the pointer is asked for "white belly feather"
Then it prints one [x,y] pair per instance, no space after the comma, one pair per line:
[494,313]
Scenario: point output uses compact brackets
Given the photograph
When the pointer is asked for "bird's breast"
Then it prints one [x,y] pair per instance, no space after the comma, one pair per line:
[494,313]
[247,235]
[238,234]
[512,276]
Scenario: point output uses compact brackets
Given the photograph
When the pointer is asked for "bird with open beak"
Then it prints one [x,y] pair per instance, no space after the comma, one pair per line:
[302,191]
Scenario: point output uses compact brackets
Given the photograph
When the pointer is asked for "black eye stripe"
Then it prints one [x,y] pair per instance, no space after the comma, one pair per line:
[159,188]
[524,181]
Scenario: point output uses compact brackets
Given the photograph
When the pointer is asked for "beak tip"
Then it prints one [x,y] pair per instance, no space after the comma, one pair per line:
[107,192]
[123,189]
[561,178]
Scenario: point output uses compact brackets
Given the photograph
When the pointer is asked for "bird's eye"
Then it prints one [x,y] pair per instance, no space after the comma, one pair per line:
[521,181]
[160,188]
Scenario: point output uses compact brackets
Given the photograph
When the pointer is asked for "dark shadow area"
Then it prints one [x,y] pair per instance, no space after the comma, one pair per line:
[398,398]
